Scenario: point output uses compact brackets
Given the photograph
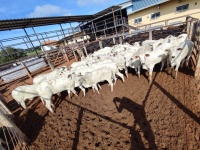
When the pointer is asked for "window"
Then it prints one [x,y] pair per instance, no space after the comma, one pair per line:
[138,20]
[182,8]
[155,15]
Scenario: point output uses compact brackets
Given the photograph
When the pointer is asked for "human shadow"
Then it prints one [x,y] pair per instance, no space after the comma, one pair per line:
[179,104]
[140,119]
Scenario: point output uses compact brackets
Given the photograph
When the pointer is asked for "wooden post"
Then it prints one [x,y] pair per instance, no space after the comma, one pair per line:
[75,55]
[114,21]
[6,122]
[94,30]
[66,57]
[113,40]
[120,40]
[197,69]
[85,50]
[26,69]
[50,64]
[150,35]
[100,44]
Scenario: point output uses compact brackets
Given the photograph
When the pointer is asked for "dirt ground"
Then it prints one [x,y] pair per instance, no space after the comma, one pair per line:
[136,115]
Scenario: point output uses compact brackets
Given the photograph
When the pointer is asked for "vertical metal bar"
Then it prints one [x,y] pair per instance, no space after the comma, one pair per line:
[94,30]
[36,36]
[3,48]
[62,30]
[122,21]
[73,32]
[31,42]
[25,43]
[58,36]
[114,20]
[43,38]
[46,36]
[6,138]
[10,137]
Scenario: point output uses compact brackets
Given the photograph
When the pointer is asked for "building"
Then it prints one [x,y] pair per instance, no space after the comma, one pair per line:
[49,45]
[142,13]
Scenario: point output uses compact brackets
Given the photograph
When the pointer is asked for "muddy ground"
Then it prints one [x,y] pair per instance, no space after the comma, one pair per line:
[136,115]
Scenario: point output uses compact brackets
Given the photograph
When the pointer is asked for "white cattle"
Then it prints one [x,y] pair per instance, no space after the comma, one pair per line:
[23,93]
[110,64]
[48,47]
[49,76]
[46,89]
[180,54]
[149,59]
[133,62]
[90,79]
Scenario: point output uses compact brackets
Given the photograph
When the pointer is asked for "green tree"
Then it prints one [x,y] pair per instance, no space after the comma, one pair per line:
[11,53]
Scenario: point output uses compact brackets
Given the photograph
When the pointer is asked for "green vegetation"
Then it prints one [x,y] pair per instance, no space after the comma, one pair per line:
[11,53]
[32,53]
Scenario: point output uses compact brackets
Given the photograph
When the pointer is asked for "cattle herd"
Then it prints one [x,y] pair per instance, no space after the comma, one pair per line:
[106,65]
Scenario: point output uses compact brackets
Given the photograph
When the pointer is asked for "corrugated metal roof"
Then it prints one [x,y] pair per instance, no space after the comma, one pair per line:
[33,22]
[142,4]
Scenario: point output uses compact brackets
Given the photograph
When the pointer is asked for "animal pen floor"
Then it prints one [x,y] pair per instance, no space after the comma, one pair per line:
[135,115]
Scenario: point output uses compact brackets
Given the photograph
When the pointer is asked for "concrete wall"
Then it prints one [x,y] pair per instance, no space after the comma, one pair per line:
[167,11]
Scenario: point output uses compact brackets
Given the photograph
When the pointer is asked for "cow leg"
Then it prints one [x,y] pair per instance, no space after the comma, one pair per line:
[182,62]
[23,104]
[150,75]
[120,75]
[69,94]
[93,89]
[187,60]
[162,65]
[42,100]
[126,71]
[111,84]
[83,89]
[73,91]
[98,86]
[138,72]
[176,70]
[48,105]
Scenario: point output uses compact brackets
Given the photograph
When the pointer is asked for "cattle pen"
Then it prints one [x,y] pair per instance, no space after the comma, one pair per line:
[162,115]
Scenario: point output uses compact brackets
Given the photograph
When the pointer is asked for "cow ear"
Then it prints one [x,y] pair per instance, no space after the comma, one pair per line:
[179,49]
[147,55]
[136,56]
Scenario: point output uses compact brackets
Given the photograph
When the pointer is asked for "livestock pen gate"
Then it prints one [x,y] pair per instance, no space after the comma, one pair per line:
[191,27]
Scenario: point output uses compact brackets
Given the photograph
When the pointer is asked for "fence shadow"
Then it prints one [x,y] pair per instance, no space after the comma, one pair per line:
[179,104]
[139,119]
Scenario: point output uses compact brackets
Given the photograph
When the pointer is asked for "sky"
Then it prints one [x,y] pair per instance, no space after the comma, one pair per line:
[17,9]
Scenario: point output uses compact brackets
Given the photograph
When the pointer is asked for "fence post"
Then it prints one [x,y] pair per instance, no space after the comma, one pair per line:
[100,44]
[85,51]
[50,64]
[120,40]
[197,68]
[75,55]
[114,41]
[26,69]
[150,35]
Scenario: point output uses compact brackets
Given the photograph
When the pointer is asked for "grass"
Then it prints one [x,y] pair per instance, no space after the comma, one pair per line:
[34,53]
